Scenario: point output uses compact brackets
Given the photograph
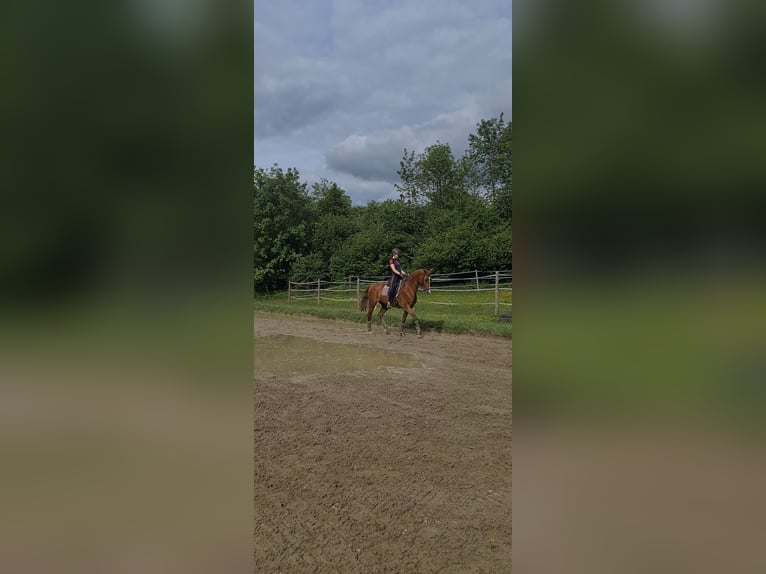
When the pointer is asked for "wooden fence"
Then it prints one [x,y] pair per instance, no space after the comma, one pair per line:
[465,282]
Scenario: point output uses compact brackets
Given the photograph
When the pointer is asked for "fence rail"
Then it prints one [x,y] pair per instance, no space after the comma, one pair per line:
[463,282]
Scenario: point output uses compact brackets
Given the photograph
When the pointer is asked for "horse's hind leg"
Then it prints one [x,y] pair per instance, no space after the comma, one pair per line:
[381,319]
[370,307]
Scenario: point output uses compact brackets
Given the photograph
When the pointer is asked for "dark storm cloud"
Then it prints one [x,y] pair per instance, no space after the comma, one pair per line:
[370,158]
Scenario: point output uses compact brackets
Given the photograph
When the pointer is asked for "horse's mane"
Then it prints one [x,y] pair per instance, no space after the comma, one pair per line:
[413,275]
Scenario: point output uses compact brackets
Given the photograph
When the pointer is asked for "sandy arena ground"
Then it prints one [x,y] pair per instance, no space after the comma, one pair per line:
[380,453]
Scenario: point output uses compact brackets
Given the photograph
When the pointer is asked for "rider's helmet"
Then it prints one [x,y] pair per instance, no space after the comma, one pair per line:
[394,251]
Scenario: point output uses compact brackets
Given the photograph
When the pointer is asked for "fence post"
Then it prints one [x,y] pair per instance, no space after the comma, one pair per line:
[319,283]
[289,290]
[357,289]
[477,278]
[497,293]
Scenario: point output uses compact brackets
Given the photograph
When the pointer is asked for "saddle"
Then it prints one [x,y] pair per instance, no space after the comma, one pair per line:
[392,296]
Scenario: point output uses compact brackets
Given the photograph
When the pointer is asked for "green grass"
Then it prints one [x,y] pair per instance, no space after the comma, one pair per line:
[472,313]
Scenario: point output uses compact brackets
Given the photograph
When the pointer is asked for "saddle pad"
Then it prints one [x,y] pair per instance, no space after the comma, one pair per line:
[384,292]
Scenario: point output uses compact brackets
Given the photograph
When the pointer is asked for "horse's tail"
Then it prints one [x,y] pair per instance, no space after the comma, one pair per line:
[363,300]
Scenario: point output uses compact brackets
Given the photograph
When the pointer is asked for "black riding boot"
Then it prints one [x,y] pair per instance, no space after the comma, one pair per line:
[392,294]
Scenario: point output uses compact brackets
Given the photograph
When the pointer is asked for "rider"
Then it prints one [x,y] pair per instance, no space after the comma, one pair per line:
[397,274]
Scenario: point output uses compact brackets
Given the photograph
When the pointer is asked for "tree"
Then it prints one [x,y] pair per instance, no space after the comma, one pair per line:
[471,236]
[381,226]
[488,163]
[409,190]
[439,175]
[330,199]
[432,176]
[281,225]
[334,225]
[309,267]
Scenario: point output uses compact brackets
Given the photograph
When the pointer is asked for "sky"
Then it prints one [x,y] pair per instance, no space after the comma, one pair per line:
[342,87]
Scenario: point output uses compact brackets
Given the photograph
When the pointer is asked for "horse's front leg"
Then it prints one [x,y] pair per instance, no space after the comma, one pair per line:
[411,311]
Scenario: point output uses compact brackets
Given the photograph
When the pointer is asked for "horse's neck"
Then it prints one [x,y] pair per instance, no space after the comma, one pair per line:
[416,277]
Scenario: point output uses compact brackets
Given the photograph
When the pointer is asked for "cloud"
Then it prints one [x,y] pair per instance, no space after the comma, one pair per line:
[372,157]
[347,85]
[376,157]
[301,94]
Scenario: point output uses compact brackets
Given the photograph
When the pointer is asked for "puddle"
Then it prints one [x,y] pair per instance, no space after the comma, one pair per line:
[291,355]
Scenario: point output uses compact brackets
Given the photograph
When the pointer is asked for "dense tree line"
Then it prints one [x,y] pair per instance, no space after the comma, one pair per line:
[453,214]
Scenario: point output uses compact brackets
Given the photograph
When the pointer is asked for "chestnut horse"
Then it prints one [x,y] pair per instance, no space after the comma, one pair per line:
[408,296]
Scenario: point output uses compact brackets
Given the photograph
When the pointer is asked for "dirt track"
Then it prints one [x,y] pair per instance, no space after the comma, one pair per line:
[402,466]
